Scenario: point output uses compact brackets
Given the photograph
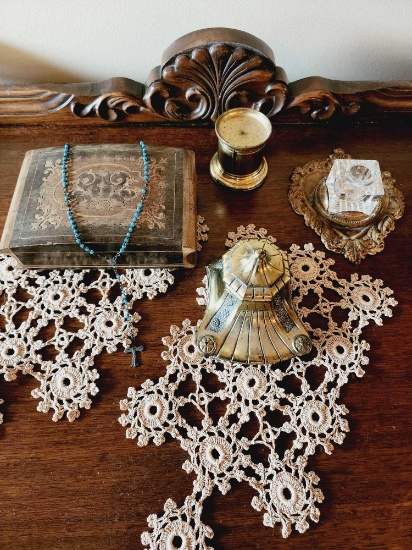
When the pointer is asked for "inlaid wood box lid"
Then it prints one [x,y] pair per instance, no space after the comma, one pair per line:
[106,181]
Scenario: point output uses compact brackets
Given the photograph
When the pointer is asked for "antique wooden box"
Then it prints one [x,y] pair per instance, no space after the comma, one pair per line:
[106,181]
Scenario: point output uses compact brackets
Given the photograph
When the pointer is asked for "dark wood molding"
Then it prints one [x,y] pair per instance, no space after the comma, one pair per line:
[323,98]
[203,74]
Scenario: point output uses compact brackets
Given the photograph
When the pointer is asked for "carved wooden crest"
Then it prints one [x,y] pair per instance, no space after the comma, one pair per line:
[199,82]
[203,74]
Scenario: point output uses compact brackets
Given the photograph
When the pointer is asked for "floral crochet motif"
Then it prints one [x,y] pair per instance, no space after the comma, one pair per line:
[279,398]
[75,309]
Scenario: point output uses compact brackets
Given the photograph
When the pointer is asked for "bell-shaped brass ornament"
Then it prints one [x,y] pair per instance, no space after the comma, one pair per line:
[249,317]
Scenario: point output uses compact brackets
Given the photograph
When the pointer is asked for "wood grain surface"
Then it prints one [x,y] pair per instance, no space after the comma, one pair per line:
[82,485]
[37,230]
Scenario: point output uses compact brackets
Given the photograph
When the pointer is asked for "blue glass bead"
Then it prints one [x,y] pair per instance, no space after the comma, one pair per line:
[78,241]
[117,276]
[82,245]
[66,198]
[87,249]
[91,251]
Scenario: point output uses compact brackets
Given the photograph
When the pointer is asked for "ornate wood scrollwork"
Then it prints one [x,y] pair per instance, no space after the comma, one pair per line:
[111,106]
[206,81]
[323,104]
[323,98]
[203,74]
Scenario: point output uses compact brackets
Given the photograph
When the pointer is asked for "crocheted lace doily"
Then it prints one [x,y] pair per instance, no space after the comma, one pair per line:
[78,310]
[218,451]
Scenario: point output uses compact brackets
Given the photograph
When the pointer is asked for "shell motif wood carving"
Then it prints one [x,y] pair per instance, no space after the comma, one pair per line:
[201,75]
[202,83]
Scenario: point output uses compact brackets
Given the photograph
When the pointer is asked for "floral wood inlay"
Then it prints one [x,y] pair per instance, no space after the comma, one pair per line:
[107,191]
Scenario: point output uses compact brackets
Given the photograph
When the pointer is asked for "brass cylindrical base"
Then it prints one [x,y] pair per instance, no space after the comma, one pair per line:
[240,183]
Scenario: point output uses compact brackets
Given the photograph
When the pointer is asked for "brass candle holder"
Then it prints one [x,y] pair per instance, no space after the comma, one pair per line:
[239,162]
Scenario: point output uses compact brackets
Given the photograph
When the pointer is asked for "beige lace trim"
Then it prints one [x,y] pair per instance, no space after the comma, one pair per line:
[278,400]
[78,311]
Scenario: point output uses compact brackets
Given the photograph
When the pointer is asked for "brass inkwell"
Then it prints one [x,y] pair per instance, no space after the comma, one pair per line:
[350,203]
[249,316]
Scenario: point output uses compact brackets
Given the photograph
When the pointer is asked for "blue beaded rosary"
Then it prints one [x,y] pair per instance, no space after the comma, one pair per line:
[69,197]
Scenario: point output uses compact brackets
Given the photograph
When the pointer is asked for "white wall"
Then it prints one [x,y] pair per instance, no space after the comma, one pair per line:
[88,40]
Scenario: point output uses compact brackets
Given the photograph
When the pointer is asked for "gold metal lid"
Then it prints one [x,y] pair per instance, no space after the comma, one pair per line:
[249,316]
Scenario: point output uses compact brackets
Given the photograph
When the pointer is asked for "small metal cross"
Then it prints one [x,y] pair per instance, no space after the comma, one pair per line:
[134,348]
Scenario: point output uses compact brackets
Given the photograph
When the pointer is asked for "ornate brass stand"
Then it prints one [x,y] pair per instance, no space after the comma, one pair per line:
[352,234]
